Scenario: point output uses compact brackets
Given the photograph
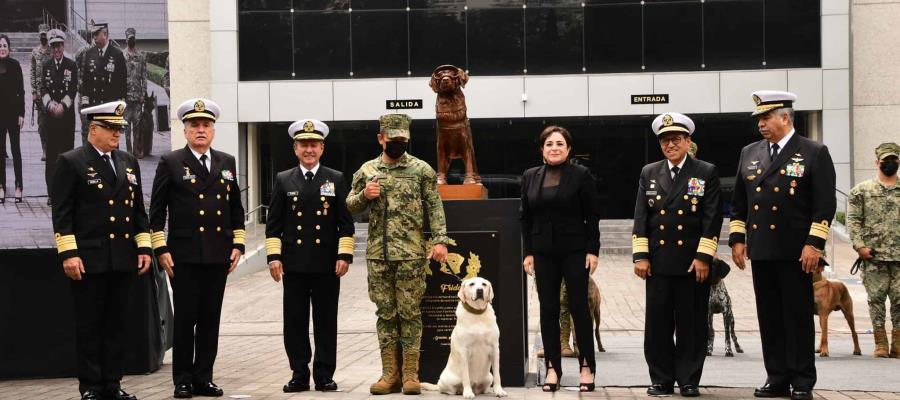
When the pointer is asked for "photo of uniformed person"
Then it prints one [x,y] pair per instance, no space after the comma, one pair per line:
[103,239]
[103,70]
[309,243]
[677,220]
[781,214]
[196,190]
[58,87]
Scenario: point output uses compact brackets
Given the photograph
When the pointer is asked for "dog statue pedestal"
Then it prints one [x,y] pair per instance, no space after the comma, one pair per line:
[474,191]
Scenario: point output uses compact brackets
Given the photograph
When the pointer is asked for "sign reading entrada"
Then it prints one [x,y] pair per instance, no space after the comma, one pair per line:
[403,104]
[649,99]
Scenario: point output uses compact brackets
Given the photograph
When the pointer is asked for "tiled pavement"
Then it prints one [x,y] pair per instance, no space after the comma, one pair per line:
[252,362]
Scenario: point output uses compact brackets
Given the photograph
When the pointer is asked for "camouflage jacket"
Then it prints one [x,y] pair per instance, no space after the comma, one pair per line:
[397,218]
[873,218]
[38,57]
[136,78]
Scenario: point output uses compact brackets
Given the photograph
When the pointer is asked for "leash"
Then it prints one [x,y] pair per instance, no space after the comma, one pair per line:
[860,263]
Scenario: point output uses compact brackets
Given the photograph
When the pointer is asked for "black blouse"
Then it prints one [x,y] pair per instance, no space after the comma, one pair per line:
[12,89]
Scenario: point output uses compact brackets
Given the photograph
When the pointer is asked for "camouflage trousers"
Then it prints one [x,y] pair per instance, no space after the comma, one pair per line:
[882,282]
[396,288]
[564,318]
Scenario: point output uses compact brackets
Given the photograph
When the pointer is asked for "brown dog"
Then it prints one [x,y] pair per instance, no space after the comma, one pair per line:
[831,296]
[454,136]
[594,306]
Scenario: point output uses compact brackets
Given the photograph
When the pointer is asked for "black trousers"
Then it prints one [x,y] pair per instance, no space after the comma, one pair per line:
[60,139]
[676,304]
[10,126]
[549,271]
[197,290]
[101,309]
[784,307]
[322,291]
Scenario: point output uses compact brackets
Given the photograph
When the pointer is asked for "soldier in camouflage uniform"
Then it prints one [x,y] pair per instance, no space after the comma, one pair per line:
[136,81]
[39,55]
[873,218]
[400,189]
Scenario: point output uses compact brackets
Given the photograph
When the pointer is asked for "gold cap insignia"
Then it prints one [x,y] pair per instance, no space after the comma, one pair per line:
[667,120]
[308,127]
[756,99]
[120,109]
[199,106]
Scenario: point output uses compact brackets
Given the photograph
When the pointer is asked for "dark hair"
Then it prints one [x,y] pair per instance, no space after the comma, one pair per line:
[8,44]
[552,129]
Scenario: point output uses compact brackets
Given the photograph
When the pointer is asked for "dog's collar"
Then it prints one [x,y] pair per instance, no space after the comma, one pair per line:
[471,309]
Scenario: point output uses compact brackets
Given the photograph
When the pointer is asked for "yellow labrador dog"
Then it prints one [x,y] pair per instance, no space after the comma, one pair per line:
[474,362]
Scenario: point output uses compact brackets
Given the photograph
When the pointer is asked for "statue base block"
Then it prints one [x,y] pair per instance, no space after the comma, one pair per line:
[472,191]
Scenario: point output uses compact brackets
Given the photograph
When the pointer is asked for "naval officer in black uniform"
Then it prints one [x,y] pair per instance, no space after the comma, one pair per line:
[677,220]
[309,242]
[102,70]
[783,204]
[57,94]
[197,187]
[103,239]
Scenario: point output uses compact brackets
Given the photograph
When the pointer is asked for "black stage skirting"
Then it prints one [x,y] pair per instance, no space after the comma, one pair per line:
[37,323]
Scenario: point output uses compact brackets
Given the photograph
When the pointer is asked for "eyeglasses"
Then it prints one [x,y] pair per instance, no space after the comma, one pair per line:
[676,140]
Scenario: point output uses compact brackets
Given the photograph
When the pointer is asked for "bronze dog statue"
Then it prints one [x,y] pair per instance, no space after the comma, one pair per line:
[454,136]
[831,296]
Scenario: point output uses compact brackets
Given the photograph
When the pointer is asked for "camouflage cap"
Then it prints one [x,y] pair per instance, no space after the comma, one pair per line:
[129,33]
[394,125]
[886,150]
[43,28]
[693,150]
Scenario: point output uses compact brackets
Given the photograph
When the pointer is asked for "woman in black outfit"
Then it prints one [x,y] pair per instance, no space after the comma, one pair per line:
[12,115]
[561,239]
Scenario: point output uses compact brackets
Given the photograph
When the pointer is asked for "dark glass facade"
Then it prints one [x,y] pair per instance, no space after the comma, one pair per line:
[328,39]
[614,148]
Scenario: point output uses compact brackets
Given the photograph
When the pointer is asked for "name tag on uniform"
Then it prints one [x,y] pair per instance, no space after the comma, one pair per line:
[696,187]
[93,181]
[327,189]
[297,193]
[650,193]
[132,178]
[227,175]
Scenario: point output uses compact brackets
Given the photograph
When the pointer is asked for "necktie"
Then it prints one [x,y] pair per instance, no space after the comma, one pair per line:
[309,176]
[101,53]
[774,152]
[675,172]
[203,162]
[108,161]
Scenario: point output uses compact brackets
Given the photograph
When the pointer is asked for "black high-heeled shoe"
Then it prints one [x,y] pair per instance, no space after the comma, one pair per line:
[18,198]
[551,387]
[586,387]
[2,195]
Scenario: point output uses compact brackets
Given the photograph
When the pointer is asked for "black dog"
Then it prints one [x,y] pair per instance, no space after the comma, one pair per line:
[720,303]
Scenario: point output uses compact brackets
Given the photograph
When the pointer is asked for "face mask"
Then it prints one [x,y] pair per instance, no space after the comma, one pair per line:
[889,168]
[395,149]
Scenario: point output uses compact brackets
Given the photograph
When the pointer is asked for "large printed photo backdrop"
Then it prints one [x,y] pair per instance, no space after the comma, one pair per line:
[144,82]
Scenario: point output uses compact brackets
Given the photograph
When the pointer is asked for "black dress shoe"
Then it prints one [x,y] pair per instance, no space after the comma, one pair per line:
[119,394]
[296,385]
[689,390]
[183,391]
[801,395]
[770,390]
[329,386]
[658,389]
[208,389]
[91,395]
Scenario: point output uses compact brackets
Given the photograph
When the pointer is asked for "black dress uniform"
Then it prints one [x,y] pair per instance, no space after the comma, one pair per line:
[676,221]
[308,229]
[206,221]
[58,84]
[779,206]
[104,74]
[98,215]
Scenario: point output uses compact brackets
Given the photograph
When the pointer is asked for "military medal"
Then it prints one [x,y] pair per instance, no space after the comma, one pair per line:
[327,189]
[227,175]
[188,176]
[325,205]
[653,184]
[650,202]
[793,185]
[696,187]
[694,202]
[132,179]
